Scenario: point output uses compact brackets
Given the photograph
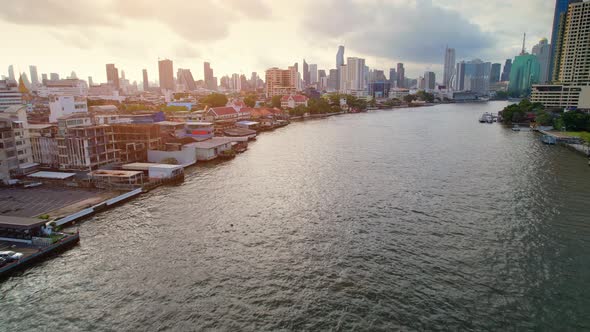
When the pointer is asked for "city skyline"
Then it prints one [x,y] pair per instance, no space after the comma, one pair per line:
[238,47]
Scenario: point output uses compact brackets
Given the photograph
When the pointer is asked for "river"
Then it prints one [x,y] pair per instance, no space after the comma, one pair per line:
[420,219]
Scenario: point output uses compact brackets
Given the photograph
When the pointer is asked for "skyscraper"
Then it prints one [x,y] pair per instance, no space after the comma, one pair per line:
[254,81]
[339,63]
[355,76]
[559,14]
[43,77]
[210,81]
[313,73]
[306,76]
[112,75]
[506,72]
[543,52]
[34,75]
[90,82]
[280,82]
[473,76]
[495,74]
[524,73]
[460,76]
[54,76]
[146,82]
[392,76]
[401,75]
[11,73]
[571,61]
[185,78]
[166,74]
[449,66]
[429,80]
[333,80]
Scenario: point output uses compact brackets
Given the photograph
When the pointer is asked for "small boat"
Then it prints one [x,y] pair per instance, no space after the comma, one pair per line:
[516,128]
[549,140]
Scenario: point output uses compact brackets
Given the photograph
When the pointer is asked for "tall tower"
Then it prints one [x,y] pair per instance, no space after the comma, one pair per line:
[561,7]
[146,82]
[34,75]
[449,67]
[401,75]
[113,75]
[166,74]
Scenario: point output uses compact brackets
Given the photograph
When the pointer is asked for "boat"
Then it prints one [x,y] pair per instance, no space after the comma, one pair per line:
[548,139]
[486,118]
[516,128]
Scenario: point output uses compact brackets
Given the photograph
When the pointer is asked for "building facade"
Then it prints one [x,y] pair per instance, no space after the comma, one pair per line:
[449,67]
[166,74]
[16,156]
[9,94]
[543,53]
[280,82]
[60,106]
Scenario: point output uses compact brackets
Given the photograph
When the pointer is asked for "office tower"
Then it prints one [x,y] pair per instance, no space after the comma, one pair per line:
[34,75]
[401,75]
[429,80]
[185,78]
[392,77]
[166,74]
[343,77]
[122,74]
[496,72]
[296,66]
[210,81]
[90,82]
[281,82]
[543,52]
[524,73]
[146,82]
[355,78]
[113,76]
[306,77]
[572,60]
[506,72]
[313,73]
[254,80]
[473,76]
[449,67]
[339,63]
[561,7]
[333,80]
[11,73]
[43,78]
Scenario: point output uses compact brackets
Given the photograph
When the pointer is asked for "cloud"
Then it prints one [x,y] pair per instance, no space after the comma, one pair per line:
[55,13]
[254,9]
[184,51]
[412,32]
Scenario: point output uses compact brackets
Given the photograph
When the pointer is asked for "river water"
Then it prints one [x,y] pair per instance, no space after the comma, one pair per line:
[417,219]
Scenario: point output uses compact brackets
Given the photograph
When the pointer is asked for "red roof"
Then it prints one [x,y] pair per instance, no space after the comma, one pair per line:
[296,98]
[219,111]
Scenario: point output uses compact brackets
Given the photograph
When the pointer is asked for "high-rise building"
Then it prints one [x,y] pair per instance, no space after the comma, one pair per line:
[281,82]
[34,75]
[524,73]
[343,77]
[392,77]
[429,80]
[254,80]
[210,80]
[146,82]
[9,94]
[16,153]
[185,78]
[571,63]
[235,84]
[355,78]
[11,73]
[166,74]
[449,66]
[43,77]
[401,75]
[333,80]
[495,73]
[306,77]
[561,7]
[339,63]
[473,76]
[112,76]
[54,76]
[90,82]
[506,72]
[543,52]
[313,73]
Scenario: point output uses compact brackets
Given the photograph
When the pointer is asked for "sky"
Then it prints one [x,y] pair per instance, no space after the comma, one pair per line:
[242,36]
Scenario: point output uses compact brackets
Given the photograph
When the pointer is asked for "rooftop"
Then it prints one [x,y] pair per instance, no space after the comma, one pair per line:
[114,173]
[51,175]
[213,142]
[146,166]
[20,222]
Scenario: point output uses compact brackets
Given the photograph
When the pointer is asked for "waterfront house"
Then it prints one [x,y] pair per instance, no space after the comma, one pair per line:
[292,101]
[212,148]
[198,130]
[105,178]
[222,113]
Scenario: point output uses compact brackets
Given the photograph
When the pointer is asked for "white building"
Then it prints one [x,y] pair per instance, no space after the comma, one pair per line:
[16,155]
[313,73]
[68,87]
[9,95]
[60,106]
[449,67]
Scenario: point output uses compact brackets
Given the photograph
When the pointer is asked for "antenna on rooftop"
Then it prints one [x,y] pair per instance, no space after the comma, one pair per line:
[523,52]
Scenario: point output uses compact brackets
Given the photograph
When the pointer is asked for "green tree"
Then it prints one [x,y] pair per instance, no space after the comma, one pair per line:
[172,109]
[214,100]
[250,100]
[298,111]
[576,121]
[409,98]
[425,96]
[318,106]
[276,101]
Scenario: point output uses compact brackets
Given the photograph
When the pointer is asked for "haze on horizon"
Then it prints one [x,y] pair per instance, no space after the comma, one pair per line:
[242,36]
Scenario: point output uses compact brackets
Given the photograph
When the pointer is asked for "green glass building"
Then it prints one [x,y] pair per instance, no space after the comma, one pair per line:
[525,72]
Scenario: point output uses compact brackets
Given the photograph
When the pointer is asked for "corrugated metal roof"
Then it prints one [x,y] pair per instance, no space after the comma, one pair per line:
[52,175]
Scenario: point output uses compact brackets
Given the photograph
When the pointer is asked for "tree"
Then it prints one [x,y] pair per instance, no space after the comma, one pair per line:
[214,100]
[425,96]
[576,121]
[172,109]
[409,98]
[276,101]
[250,100]
[318,106]
[298,111]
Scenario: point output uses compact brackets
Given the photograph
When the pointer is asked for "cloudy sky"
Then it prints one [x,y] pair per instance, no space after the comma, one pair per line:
[241,36]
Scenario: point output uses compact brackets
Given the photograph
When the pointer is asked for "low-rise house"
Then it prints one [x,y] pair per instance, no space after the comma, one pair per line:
[222,113]
[212,148]
[292,101]
[179,153]
[157,171]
